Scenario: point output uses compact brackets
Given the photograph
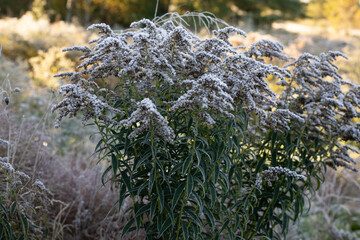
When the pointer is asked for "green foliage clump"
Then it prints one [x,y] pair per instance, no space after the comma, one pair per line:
[194,136]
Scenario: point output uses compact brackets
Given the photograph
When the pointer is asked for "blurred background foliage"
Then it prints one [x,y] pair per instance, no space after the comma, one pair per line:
[32,34]
[123,12]
[343,13]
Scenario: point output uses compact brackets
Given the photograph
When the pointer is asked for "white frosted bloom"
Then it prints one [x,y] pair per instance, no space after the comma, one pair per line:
[7,167]
[330,111]
[23,176]
[40,185]
[150,56]
[273,173]
[210,93]
[148,116]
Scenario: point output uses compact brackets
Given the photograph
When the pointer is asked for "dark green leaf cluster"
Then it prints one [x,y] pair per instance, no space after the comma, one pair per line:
[203,186]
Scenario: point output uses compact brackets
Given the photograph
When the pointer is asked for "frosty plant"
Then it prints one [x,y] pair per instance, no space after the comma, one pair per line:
[195,137]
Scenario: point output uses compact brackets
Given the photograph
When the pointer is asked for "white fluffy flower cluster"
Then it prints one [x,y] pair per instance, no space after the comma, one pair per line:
[80,98]
[210,93]
[7,167]
[210,74]
[273,173]
[316,91]
[149,118]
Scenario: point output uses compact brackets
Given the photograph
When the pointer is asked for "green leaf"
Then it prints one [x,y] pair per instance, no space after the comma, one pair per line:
[170,213]
[159,222]
[193,216]
[204,152]
[179,190]
[284,223]
[114,163]
[239,178]
[203,141]
[230,233]
[142,187]
[127,227]
[225,225]
[13,208]
[142,210]
[175,168]
[260,163]
[153,152]
[104,175]
[209,217]
[143,159]
[212,193]
[137,218]
[189,185]
[186,165]
[8,229]
[98,145]
[227,162]
[25,224]
[122,195]
[297,208]
[216,172]
[199,201]
[125,179]
[185,230]
[198,157]
[227,183]
[161,197]
[3,209]
[153,205]
[164,227]
[202,171]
